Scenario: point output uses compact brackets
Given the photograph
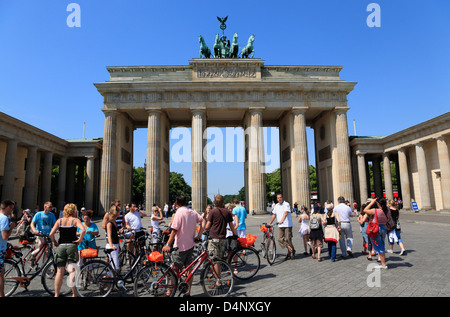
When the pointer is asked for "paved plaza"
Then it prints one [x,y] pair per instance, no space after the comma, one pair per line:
[424,271]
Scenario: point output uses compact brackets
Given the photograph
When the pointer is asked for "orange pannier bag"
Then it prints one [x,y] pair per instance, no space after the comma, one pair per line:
[247,241]
[155,256]
[89,253]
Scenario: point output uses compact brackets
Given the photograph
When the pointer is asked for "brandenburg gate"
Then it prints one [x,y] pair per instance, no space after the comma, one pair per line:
[227,92]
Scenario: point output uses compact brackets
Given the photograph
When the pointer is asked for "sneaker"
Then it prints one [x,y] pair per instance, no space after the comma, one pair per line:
[390,251]
[403,252]
[383,267]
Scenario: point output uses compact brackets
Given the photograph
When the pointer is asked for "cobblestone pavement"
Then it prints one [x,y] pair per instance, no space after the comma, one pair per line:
[424,271]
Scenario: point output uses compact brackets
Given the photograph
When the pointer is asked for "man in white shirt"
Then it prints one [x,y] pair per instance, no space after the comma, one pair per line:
[133,222]
[345,227]
[282,211]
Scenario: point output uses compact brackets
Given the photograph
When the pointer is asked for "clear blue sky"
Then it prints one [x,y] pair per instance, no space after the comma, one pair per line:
[48,69]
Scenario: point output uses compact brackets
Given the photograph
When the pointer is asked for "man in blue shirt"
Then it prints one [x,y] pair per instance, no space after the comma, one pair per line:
[241,214]
[6,228]
[43,221]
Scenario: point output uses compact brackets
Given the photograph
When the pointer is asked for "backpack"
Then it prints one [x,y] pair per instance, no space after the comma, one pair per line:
[373,228]
[314,223]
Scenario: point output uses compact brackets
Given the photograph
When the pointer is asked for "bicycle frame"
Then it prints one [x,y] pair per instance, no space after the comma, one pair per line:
[25,280]
[199,260]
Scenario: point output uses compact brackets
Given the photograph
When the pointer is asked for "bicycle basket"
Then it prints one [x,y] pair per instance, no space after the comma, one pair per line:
[247,241]
[26,242]
[155,256]
[89,253]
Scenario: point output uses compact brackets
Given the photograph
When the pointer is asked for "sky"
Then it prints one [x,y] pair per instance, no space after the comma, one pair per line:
[49,67]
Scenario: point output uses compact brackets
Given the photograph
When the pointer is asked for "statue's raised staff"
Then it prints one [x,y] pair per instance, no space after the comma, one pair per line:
[248,49]
[204,49]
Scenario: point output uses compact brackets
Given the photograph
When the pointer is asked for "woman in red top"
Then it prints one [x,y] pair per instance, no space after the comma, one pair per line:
[381,215]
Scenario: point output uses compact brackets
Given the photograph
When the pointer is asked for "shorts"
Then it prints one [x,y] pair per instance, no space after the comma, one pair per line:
[217,247]
[183,258]
[2,260]
[66,253]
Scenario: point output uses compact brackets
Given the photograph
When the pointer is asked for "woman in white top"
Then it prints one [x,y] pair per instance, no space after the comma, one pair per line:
[304,228]
[157,218]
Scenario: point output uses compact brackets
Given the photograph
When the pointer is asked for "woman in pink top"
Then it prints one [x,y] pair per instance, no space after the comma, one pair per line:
[381,215]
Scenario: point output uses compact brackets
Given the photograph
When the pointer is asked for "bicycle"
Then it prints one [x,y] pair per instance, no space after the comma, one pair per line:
[245,261]
[16,273]
[161,280]
[127,257]
[98,278]
[268,246]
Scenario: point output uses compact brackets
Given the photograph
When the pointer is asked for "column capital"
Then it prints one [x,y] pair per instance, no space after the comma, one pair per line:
[418,144]
[299,110]
[151,110]
[341,110]
[110,111]
[200,110]
[440,137]
[360,153]
[256,109]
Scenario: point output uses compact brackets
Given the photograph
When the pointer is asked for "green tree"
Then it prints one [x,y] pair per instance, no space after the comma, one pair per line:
[312,178]
[178,186]
[273,184]
[138,186]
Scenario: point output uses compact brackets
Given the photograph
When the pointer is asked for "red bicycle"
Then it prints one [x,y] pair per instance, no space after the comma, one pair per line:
[161,280]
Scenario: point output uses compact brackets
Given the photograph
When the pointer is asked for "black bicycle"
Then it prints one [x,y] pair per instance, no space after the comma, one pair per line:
[98,277]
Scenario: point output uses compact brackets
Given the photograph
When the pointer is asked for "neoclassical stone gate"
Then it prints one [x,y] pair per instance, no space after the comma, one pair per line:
[227,93]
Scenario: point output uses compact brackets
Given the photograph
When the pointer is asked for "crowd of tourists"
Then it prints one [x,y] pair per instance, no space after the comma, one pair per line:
[378,219]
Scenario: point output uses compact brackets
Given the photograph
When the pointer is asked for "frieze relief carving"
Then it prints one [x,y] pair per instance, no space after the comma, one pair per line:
[226,72]
[228,96]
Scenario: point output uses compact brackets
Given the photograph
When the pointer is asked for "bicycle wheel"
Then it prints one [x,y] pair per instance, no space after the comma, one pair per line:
[271,250]
[217,283]
[96,278]
[11,271]
[155,280]
[126,260]
[245,263]
[48,275]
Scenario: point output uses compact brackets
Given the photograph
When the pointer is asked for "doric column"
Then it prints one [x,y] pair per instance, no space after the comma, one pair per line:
[299,160]
[153,164]
[378,186]
[424,185]
[62,182]
[199,186]
[30,179]
[10,170]
[70,189]
[444,164]
[108,168]
[404,178]
[363,191]
[343,155]
[89,191]
[387,177]
[256,168]
[47,177]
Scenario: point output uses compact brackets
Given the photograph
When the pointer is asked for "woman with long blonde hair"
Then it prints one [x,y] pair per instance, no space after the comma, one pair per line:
[67,246]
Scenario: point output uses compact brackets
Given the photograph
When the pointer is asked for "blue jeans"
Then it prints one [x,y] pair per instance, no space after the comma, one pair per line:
[332,250]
